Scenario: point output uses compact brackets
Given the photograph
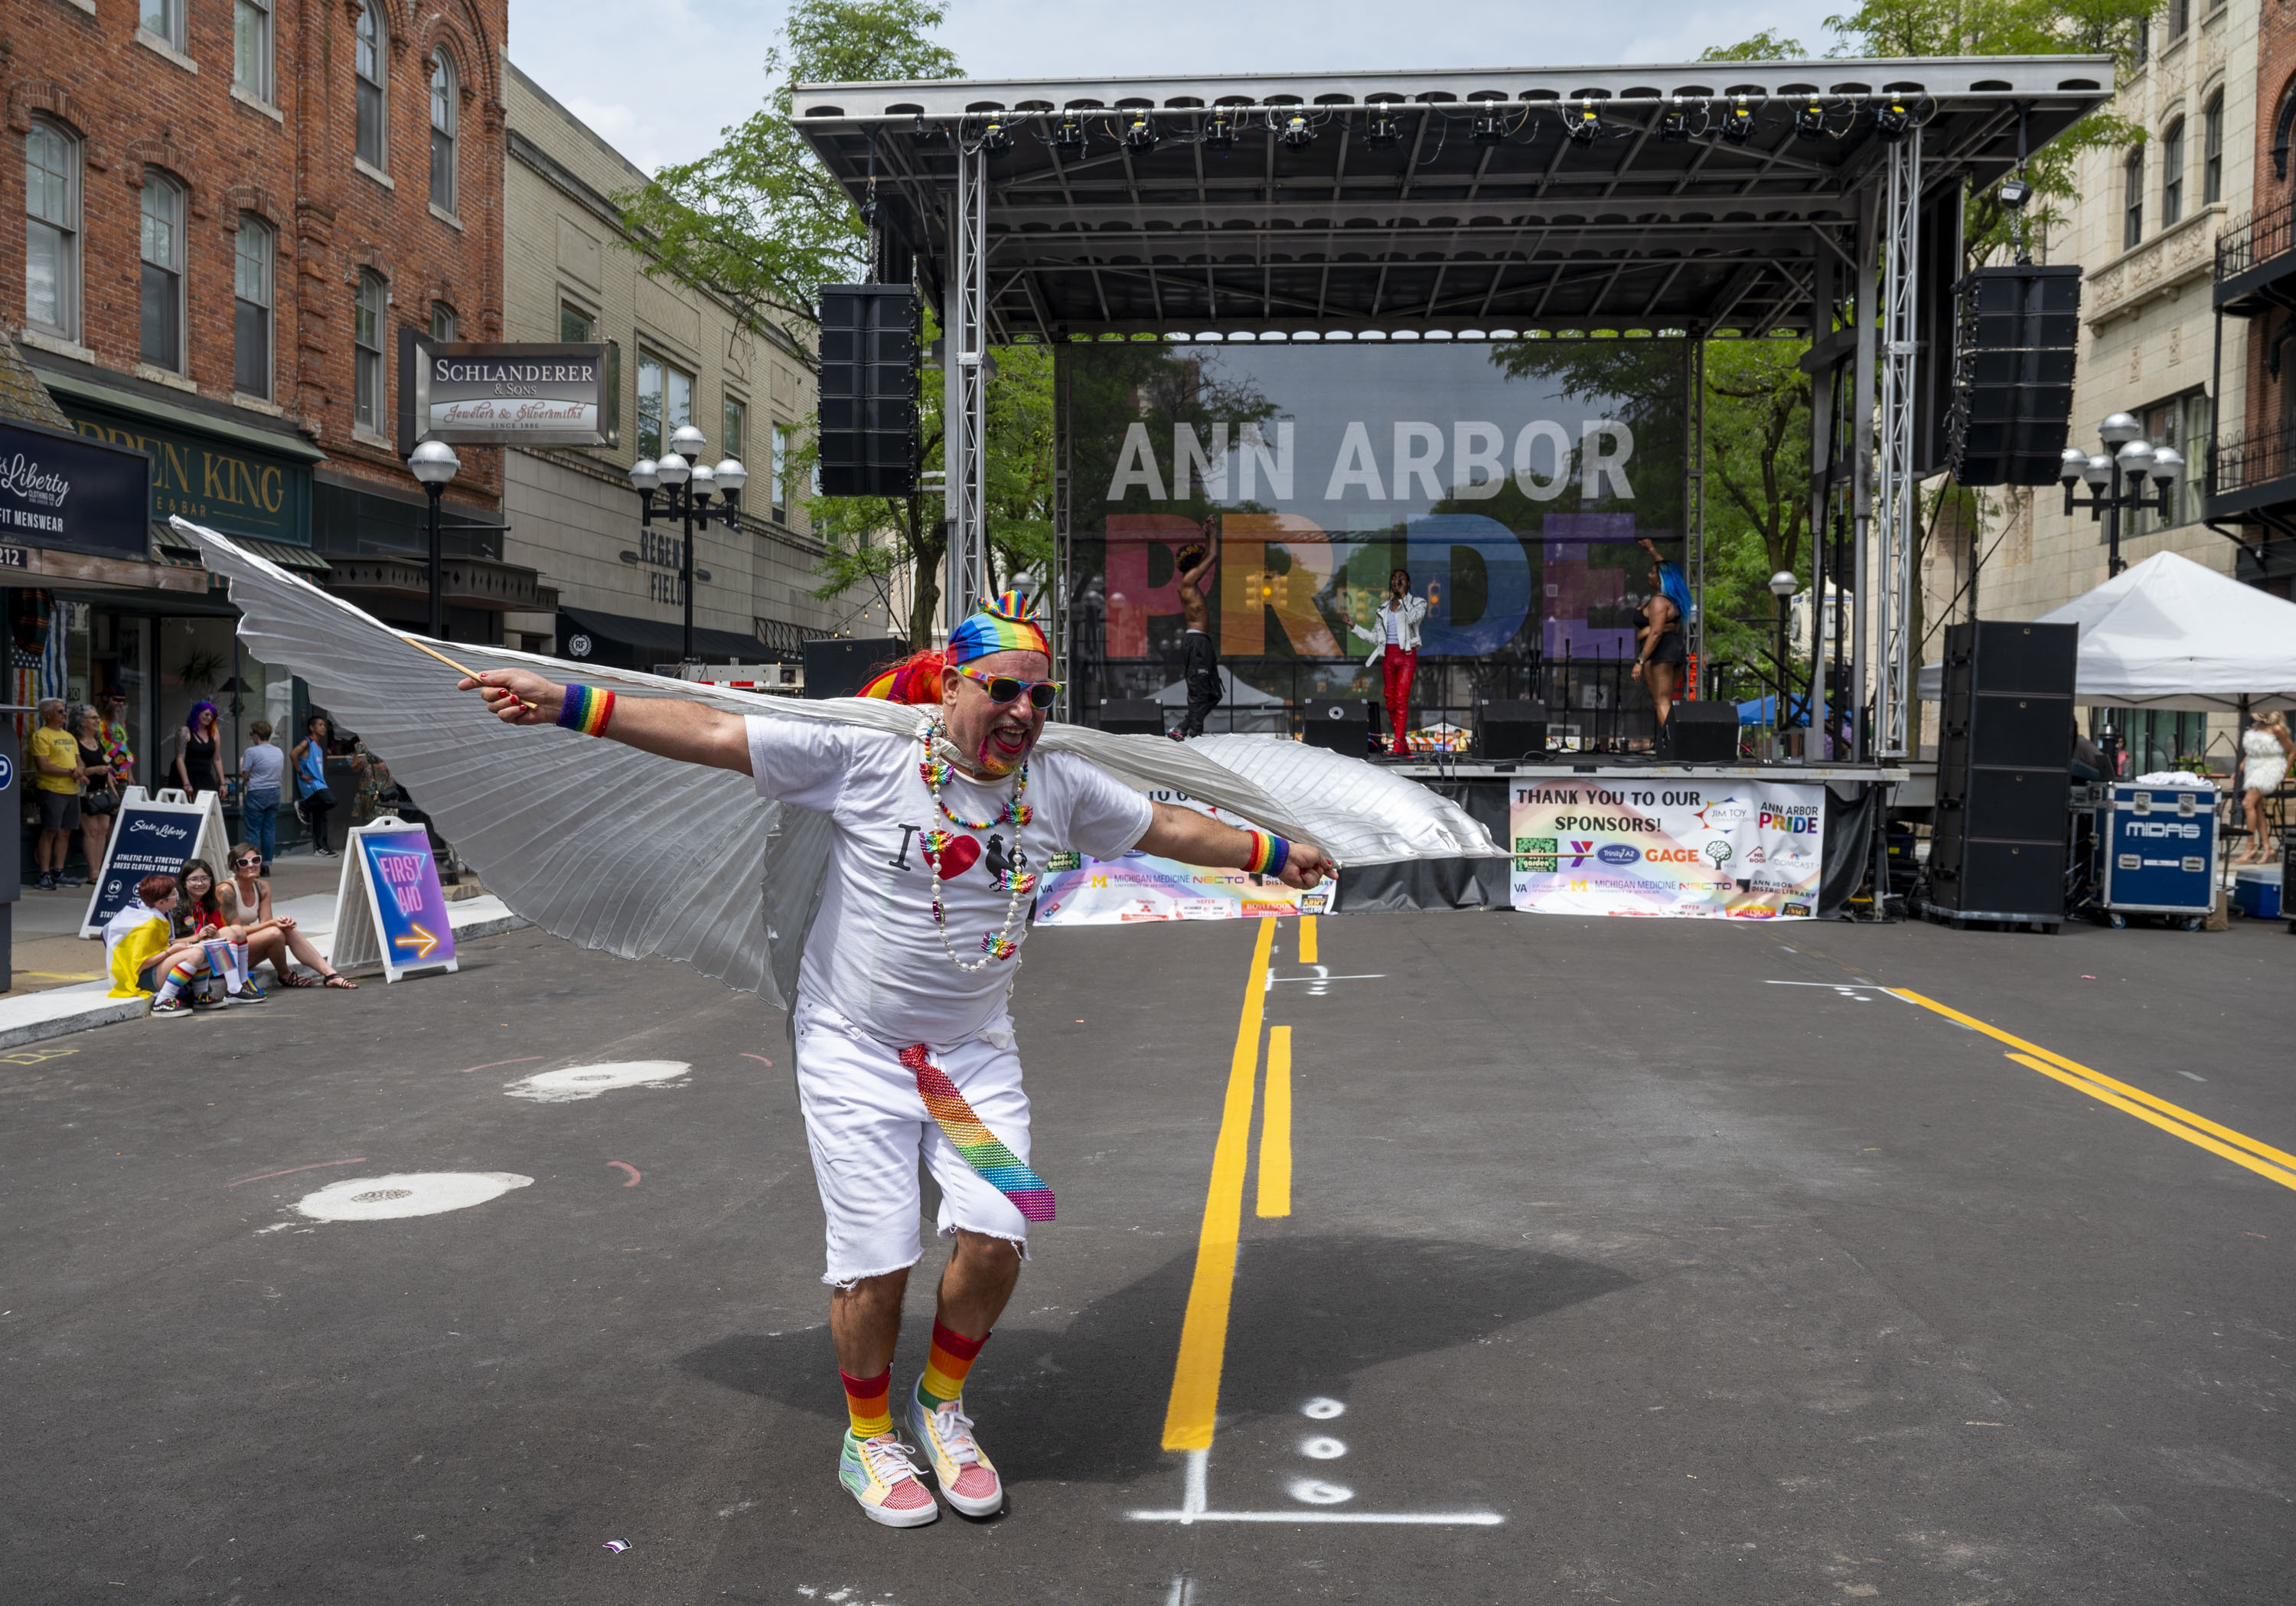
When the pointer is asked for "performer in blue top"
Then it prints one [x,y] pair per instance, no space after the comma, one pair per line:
[1661,646]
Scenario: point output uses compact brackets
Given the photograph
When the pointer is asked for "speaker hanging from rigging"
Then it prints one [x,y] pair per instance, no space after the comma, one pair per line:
[2013,400]
[868,436]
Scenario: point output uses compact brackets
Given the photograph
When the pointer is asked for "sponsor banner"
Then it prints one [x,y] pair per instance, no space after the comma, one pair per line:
[1078,890]
[1734,849]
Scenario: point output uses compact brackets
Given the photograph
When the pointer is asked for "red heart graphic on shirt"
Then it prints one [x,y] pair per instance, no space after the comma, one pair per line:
[959,856]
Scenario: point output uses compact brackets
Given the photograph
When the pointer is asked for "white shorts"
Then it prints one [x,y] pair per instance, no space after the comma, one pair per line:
[866,1122]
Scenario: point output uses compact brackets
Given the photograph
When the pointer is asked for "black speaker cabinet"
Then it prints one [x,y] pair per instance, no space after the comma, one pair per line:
[841,667]
[2024,879]
[1132,716]
[1343,726]
[1702,733]
[868,437]
[2004,752]
[1507,730]
[2013,378]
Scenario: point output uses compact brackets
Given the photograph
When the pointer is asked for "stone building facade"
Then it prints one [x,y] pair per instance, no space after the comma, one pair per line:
[685,356]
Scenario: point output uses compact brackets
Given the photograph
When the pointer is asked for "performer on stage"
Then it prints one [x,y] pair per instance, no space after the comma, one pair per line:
[1394,637]
[904,1038]
[1199,653]
[1661,649]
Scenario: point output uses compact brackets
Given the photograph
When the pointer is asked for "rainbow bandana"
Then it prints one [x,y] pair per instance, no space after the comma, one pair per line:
[982,1149]
[1006,623]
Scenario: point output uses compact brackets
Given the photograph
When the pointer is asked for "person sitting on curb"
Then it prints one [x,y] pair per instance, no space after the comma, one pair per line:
[246,899]
[144,957]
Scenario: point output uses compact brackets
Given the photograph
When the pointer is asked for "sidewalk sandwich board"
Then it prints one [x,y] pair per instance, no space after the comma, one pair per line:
[152,835]
[389,909]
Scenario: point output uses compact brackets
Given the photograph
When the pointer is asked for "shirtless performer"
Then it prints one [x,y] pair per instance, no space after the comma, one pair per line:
[1199,654]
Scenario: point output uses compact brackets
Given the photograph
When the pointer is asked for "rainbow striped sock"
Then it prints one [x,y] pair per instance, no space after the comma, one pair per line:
[869,1402]
[178,973]
[982,1149]
[952,1357]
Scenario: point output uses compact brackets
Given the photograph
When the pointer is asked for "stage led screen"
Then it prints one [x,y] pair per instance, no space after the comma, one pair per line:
[1514,480]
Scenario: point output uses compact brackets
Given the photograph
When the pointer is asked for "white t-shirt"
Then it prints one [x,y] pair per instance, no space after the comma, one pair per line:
[874,955]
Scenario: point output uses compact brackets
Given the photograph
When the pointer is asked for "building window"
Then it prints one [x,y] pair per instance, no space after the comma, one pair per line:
[164,20]
[2172,173]
[737,427]
[665,403]
[2184,423]
[251,282]
[2132,217]
[442,322]
[51,230]
[367,403]
[369,66]
[576,327]
[781,477]
[163,273]
[442,131]
[2180,18]
[2143,46]
[251,48]
[2212,153]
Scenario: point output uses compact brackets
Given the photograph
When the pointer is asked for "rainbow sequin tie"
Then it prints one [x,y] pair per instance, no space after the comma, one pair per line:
[982,1149]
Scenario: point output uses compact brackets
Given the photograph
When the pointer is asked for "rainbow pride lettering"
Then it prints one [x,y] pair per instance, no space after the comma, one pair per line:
[982,1149]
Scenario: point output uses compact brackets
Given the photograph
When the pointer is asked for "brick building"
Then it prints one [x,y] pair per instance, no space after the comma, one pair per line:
[222,211]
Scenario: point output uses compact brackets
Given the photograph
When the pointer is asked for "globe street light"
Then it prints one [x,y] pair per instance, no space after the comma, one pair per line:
[434,463]
[2116,478]
[690,483]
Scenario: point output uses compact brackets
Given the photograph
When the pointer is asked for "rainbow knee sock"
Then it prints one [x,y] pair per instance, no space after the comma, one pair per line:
[952,1358]
[869,1402]
[178,973]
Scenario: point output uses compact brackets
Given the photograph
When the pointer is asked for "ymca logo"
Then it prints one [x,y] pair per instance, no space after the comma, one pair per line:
[1580,851]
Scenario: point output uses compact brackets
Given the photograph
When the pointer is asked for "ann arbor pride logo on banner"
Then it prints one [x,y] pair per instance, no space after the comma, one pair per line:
[1684,849]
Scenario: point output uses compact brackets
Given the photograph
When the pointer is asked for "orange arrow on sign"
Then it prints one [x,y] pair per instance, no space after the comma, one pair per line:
[421,941]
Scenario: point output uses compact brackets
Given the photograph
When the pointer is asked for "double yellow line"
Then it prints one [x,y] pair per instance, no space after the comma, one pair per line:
[2239,1148]
[1194,1405]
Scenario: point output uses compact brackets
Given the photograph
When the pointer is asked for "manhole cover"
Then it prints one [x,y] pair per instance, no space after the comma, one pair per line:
[402,1194]
[381,1194]
[593,1076]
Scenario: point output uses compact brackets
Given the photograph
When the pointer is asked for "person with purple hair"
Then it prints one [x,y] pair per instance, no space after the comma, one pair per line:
[196,745]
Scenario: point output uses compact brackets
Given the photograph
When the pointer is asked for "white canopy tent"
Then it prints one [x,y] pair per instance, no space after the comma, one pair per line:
[2169,634]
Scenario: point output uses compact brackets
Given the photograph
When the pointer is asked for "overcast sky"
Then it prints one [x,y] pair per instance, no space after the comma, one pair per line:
[659,80]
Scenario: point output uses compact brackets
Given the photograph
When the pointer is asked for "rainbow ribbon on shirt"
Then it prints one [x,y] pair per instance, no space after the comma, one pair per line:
[982,1149]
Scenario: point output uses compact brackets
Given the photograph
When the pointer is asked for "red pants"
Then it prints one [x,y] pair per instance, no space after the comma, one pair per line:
[1398,668]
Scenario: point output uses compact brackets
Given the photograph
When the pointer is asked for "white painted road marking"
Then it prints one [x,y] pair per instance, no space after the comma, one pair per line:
[588,1080]
[373,1199]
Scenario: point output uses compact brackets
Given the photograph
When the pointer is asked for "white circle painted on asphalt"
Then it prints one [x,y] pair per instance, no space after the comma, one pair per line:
[1323,1409]
[588,1080]
[1321,1448]
[377,1199]
[1315,1491]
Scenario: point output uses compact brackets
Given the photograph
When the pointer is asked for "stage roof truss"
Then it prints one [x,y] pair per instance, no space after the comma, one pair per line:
[1439,232]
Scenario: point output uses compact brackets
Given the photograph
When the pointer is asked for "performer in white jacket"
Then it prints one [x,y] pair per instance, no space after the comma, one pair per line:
[1394,637]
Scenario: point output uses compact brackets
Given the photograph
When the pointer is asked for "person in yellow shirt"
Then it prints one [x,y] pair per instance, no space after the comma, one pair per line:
[56,780]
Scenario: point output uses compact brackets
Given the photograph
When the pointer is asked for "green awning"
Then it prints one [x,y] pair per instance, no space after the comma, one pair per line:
[283,445]
[297,560]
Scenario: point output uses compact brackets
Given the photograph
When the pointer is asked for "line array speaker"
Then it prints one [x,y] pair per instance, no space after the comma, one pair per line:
[2013,398]
[868,435]
[2003,776]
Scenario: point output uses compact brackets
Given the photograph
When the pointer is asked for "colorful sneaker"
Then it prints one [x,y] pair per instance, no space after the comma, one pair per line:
[169,1008]
[879,1473]
[967,1477]
[249,993]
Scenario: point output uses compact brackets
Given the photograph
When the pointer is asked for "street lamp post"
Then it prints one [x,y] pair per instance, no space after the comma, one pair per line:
[434,463]
[691,483]
[2116,479]
[1783,586]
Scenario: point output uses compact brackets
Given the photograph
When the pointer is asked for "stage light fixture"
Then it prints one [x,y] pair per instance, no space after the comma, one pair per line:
[1220,132]
[1488,130]
[1583,125]
[1298,133]
[1809,122]
[1738,122]
[1139,132]
[1892,121]
[1384,132]
[1069,135]
[1674,124]
[996,139]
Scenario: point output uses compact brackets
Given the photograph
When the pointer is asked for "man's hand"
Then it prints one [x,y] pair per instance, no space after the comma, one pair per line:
[1305,867]
[518,696]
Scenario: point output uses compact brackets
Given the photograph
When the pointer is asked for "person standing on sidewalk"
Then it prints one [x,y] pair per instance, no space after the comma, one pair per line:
[1394,637]
[1199,654]
[314,800]
[56,777]
[99,797]
[262,773]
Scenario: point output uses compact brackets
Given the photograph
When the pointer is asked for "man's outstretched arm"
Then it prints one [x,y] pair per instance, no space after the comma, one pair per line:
[689,732]
[1194,838]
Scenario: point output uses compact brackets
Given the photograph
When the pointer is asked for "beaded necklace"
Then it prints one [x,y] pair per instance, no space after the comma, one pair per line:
[1016,880]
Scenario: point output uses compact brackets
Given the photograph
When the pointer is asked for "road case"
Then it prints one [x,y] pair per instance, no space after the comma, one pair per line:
[2157,852]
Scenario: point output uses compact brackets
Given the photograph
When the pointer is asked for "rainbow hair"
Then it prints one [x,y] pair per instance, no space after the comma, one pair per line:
[1007,622]
[915,679]
[192,717]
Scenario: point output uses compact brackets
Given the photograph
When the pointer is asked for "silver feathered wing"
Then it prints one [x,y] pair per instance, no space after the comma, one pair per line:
[616,849]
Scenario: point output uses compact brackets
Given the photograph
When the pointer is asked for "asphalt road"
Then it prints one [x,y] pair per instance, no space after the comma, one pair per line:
[1659,1260]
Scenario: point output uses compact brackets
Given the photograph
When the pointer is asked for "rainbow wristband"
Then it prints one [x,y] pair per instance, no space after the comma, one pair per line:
[1269,853]
[586,709]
